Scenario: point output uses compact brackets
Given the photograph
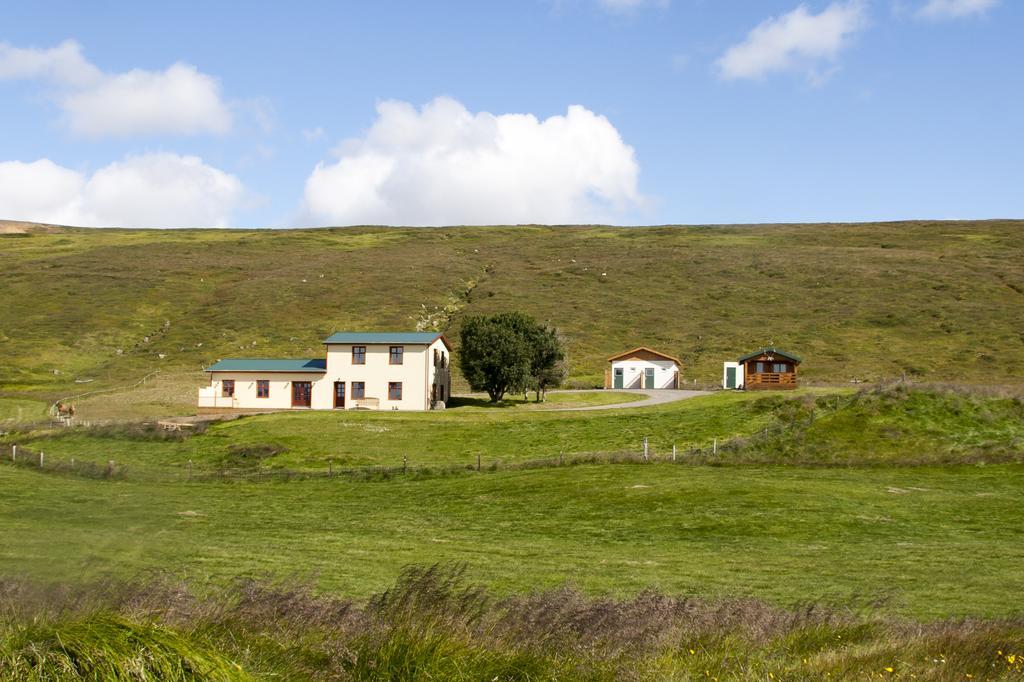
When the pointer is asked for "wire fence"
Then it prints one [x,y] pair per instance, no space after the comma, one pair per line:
[647,451]
[711,452]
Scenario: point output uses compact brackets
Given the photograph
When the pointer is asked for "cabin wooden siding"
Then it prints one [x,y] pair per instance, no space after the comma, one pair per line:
[760,381]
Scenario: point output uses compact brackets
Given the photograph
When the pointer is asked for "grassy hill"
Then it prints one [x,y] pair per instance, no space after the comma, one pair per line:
[92,309]
[895,426]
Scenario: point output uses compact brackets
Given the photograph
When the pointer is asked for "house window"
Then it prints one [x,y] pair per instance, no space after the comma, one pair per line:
[437,356]
[227,388]
[358,390]
[262,388]
[358,355]
[781,368]
[394,390]
[760,368]
[396,355]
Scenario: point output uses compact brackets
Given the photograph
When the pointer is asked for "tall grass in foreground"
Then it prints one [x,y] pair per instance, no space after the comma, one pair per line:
[434,625]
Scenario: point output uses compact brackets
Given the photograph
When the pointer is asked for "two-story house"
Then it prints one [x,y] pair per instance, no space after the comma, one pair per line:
[370,370]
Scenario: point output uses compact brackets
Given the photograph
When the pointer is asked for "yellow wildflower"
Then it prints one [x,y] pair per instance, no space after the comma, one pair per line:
[888,670]
[1011,658]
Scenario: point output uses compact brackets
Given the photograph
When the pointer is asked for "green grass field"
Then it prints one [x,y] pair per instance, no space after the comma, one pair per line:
[835,533]
[936,301]
[308,440]
[924,542]
[860,527]
[809,427]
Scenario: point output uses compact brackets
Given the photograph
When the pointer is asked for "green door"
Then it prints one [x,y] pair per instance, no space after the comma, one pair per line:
[649,377]
[730,377]
[618,378]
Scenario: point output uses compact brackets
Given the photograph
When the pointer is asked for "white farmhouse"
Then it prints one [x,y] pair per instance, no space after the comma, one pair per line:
[369,370]
[642,368]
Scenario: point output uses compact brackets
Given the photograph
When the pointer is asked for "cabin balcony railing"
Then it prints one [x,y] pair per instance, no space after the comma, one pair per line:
[772,379]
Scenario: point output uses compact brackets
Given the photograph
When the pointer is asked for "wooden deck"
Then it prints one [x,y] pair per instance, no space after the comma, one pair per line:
[770,381]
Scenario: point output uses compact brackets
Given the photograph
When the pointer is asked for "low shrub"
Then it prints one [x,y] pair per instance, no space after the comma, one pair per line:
[435,624]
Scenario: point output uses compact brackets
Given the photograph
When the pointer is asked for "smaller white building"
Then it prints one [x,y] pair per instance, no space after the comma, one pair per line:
[643,368]
[732,375]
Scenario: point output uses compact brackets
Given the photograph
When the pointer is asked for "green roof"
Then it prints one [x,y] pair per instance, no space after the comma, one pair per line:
[368,338]
[316,365]
[775,351]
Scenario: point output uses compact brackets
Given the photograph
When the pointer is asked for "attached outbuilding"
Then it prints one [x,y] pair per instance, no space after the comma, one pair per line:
[768,368]
[643,368]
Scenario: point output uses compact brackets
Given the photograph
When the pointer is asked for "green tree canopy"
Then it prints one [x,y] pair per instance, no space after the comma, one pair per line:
[496,352]
[548,366]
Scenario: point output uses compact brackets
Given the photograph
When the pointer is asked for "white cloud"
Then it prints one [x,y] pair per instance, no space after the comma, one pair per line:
[955,9]
[313,134]
[797,40]
[629,5]
[610,6]
[149,190]
[443,165]
[179,100]
[63,64]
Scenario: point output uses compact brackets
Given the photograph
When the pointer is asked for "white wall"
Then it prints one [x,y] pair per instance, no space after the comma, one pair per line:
[441,376]
[245,389]
[417,373]
[739,373]
[633,372]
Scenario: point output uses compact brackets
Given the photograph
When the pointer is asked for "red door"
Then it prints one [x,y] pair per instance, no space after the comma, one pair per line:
[302,393]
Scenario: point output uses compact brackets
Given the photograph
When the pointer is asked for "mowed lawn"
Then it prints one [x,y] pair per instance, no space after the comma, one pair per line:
[310,440]
[927,542]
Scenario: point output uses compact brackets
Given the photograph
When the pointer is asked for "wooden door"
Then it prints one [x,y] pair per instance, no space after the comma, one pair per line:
[339,394]
[302,392]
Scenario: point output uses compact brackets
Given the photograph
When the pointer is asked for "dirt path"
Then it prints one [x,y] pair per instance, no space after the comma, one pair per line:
[654,397]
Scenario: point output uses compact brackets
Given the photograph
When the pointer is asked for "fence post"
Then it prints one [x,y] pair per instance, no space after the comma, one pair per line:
[673,452]
[40,459]
[14,453]
[714,447]
[645,449]
[405,464]
[330,468]
[478,461]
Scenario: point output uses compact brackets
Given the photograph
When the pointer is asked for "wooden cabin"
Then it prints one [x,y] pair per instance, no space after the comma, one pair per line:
[769,368]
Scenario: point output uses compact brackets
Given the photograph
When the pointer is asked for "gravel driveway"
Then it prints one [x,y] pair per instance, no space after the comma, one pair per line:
[654,397]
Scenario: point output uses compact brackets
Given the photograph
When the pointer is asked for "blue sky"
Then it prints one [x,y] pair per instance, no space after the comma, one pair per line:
[619,111]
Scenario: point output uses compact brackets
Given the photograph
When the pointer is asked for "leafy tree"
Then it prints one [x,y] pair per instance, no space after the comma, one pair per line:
[548,365]
[495,352]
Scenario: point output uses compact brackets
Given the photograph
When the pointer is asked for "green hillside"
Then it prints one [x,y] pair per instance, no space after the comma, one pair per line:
[90,309]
